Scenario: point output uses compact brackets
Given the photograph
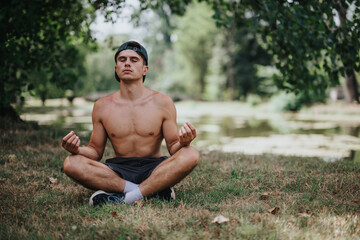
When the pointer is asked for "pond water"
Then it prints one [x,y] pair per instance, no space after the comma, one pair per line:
[237,127]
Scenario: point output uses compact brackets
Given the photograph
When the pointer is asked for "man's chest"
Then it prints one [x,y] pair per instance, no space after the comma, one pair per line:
[133,121]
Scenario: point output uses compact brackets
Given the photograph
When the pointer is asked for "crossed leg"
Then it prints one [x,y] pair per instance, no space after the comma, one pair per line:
[95,175]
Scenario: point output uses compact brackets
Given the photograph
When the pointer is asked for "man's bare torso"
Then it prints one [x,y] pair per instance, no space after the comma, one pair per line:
[134,128]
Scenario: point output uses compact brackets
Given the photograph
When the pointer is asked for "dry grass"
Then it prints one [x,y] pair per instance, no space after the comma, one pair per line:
[314,199]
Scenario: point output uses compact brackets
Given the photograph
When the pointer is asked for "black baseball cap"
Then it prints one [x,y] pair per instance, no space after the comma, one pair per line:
[135,46]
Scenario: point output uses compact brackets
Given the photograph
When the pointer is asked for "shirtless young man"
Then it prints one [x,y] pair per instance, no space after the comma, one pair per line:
[136,120]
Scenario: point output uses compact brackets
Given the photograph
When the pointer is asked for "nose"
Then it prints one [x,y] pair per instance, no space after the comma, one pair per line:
[127,62]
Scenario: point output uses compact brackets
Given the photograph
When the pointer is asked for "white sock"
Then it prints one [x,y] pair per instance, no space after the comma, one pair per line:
[129,186]
[133,196]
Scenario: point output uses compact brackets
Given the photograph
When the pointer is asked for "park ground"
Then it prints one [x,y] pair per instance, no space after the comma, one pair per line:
[260,197]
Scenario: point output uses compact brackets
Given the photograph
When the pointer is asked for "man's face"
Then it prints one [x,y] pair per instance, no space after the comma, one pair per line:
[130,65]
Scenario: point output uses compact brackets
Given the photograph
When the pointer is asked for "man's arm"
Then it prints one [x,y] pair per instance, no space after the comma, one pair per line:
[175,139]
[95,149]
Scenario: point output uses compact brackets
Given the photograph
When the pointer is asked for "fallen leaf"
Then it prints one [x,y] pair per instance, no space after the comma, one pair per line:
[114,214]
[264,196]
[274,210]
[11,158]
[304,215]
[53,180]
[220,219]
[256,218]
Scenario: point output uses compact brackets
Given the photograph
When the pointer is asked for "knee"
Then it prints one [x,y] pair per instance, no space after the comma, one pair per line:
[69,167]
[192,156]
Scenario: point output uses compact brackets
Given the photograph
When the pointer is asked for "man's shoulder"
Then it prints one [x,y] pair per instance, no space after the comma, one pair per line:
[162,98]
[104,101]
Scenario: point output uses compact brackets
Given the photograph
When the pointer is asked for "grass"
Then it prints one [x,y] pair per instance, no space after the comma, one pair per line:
[315,199]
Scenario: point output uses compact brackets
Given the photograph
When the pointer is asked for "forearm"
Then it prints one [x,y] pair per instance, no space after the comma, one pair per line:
[89,152]
[174,148]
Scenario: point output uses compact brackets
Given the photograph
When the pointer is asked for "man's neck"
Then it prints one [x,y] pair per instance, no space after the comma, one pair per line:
[131,90]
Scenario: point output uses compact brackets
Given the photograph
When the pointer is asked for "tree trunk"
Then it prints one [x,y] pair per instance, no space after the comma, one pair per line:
[351,86]
[230,65]
[9,112]
[202,80]
[6,110]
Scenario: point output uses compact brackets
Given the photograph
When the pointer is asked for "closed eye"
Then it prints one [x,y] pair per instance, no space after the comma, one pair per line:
[132,59]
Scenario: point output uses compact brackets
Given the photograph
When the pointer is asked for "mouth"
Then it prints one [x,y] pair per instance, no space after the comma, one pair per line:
[127,71]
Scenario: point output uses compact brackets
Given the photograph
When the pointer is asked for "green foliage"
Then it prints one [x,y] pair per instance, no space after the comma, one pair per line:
[306,39]
[48,82]
[194,48]
[99,66]
[40,36]
[246,54]
[176,6]
[285,102]
[32,37]
[181,47]
[163,19]
[294,102]
[298,36]
[160,27]
[253,100]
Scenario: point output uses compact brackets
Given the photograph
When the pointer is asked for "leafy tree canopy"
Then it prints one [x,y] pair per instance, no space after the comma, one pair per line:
[40,35]
[306,39]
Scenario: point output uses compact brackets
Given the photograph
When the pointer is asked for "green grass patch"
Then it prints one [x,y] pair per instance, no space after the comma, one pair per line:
[264,197]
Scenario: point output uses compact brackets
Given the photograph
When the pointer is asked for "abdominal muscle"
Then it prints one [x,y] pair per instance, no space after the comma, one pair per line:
[136,146]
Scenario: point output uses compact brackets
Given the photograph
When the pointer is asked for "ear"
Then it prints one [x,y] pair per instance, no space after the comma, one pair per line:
[145,70]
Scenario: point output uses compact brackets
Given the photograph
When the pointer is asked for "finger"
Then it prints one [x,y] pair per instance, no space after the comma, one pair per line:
[187,130]
[183,138]
[68,143]
[193,129]
[182,132]
[190,126]
[74,141]
[68,136]
[76,145]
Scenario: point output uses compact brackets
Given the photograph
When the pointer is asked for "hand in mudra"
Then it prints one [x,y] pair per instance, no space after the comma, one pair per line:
[71,143]
[187,133]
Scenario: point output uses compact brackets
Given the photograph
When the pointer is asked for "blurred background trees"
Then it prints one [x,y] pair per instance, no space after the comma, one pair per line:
[312,43]
[204,50]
